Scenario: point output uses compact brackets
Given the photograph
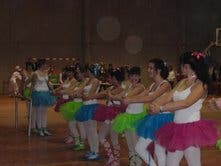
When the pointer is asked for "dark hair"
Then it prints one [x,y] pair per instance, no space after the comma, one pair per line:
[85,68]
[69,69]
[119,74]
[197,64]
[29,64]
[159,64]
[134,70]
[40,63]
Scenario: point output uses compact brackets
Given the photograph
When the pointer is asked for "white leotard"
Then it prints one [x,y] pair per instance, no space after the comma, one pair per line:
[189,114]
[41,83]
[86,92]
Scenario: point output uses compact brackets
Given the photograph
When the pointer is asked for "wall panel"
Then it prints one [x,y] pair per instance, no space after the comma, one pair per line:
[68,28]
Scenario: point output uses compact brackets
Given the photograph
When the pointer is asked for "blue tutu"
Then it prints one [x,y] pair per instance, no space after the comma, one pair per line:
[86,112]
[147,127]
[42,98]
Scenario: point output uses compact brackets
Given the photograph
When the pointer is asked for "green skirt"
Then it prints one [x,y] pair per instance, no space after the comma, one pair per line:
[69,109]
[125,121]
[218,144]
[27,92]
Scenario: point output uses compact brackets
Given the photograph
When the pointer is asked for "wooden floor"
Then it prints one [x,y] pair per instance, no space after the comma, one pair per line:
[17,149]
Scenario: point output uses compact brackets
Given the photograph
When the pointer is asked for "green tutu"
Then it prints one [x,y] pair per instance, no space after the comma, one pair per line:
[27,92]
[124,122]
[218,144]
[145,108]
[69,109]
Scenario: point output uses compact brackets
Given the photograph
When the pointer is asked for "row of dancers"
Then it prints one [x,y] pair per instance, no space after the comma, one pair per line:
[169,118]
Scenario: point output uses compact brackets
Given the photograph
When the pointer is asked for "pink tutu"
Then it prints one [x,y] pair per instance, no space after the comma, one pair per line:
[174,136]
[59,103]
[104,112]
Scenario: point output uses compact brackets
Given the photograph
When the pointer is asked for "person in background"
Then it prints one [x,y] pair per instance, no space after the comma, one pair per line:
[53,77]
[41,96]
[15,82]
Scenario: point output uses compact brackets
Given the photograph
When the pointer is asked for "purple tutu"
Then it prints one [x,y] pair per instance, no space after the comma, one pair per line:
[59,103]
[104,112]
[174,136]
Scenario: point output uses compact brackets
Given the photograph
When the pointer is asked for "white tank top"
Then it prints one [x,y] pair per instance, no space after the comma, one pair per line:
[77,99]
[152,90]
[41,83]
[189,114]
[65,86]
[86,92]
[134,108]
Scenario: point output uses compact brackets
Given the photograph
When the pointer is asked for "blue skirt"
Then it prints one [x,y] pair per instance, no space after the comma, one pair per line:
[147,127]
[42,98]
[86,112]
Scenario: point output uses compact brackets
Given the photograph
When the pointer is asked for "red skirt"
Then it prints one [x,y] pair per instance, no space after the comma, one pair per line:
[104,112]
[175,136]
[59,103]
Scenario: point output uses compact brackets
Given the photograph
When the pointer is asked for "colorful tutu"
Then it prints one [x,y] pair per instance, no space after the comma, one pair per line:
[147,127]
[125,121]
[42,98]
[104,112]
[27,92]
[86,112]
[68,110]
[175,136]
[59,103]
[145,108]
[218,144]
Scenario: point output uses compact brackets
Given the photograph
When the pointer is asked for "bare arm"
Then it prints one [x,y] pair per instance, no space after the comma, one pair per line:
[95,85]
[116,97]
[69,90]
[33,81]
[136,91]
[197,91]
[99,95]
[79,91]
[168,97]
[151,97]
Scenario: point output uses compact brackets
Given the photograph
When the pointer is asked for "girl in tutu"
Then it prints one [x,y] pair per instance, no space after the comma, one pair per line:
[15,82]
[70,109]
[188,132]
[125,122]
[85,113]
[106,113]
[41,97]
[147,127]
[63,93]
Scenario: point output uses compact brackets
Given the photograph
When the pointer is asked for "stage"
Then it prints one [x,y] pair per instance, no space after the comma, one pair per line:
[18,149]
